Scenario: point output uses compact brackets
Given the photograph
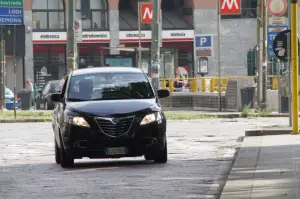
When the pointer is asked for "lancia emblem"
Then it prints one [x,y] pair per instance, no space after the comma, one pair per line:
[115,120]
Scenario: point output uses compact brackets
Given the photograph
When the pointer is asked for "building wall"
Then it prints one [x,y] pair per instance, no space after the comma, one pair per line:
[237,37]
[9,80]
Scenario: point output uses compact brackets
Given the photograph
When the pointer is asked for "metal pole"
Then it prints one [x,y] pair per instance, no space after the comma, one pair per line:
[15,65]
[258,55]
[2,52]
[278,87]
[265,60]
[155,46]
[140,42]
[219,58]
[295,64]
[71,47]
[289,68]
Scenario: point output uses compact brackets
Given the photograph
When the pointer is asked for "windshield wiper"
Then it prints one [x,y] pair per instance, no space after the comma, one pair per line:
[75,100]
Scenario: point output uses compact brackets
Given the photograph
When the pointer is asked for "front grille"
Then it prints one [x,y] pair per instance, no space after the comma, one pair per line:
[115,127]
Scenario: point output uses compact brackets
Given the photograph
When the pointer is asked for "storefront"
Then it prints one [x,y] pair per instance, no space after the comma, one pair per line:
[49,53]
[176,51]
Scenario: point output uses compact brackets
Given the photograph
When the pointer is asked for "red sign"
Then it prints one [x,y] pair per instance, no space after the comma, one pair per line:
[230,7]
[146,12]
[277,8]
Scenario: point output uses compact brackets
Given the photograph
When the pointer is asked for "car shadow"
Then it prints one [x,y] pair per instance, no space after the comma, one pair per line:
[111,163]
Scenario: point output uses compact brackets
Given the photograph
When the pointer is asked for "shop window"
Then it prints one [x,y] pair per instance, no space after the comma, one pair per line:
[48,14]
[93,14]
[248,10]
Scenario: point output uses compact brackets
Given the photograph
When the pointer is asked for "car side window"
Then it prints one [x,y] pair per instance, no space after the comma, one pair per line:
[46,89]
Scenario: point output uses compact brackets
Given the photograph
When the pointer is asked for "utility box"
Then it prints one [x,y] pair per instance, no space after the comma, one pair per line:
[247,95]
[26,99]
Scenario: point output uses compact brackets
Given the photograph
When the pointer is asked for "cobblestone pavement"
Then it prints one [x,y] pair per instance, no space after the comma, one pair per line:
[196,161]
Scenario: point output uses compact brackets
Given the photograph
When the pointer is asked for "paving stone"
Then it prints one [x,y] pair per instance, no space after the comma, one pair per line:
[198,151]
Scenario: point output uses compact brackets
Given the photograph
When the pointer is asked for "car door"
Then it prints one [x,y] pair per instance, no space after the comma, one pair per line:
[44,95]
[59,110]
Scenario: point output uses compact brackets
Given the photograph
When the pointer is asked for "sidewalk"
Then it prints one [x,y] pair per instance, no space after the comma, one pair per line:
[266,167]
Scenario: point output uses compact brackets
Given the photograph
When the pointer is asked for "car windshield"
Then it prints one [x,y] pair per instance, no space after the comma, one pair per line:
[8,92]
[109,86]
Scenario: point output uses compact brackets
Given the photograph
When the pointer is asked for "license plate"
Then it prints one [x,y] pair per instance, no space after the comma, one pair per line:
[116,151]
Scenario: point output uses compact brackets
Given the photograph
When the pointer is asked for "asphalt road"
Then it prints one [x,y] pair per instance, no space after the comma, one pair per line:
[200,155]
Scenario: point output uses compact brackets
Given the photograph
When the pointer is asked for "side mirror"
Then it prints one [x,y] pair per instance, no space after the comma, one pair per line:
[55,97]
[40,91]
[58,89]
[163,93]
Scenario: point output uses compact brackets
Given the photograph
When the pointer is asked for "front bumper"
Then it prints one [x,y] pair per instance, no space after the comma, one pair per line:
[91,142]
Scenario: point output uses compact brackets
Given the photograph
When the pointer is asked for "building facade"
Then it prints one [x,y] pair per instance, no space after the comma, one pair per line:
[111,24]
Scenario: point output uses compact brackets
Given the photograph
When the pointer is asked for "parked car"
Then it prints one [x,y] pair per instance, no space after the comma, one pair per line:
[118,117]
[43,98]
[9,100]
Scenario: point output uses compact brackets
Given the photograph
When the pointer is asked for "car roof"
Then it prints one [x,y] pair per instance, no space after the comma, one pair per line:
[95,70]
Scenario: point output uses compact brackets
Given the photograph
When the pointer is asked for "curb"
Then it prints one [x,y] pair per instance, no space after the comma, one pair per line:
[25,121]
[270,131]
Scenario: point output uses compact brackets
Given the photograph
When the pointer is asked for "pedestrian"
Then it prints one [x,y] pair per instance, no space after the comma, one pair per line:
[28,86]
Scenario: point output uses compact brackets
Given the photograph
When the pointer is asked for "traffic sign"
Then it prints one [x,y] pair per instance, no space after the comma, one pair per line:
[76,24]
[203,45]
[277,8]
[78,30]
[230,7]
[281,46]
[272,33]
[11,12]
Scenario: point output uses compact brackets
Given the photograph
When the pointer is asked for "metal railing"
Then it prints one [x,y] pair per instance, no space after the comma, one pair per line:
[209,84]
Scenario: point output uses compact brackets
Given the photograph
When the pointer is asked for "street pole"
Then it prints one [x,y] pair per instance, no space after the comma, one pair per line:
[258,64]
[140,42]
[2,59]
[265,57]
[219,58]
[71,51]
[295,64]
[15,65]
[289,67]
[155,46]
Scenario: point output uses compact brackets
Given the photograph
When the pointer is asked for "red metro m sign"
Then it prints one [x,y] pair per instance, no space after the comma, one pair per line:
[230,7]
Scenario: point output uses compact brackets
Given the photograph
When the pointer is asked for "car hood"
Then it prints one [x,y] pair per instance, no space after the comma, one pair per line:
[111,107]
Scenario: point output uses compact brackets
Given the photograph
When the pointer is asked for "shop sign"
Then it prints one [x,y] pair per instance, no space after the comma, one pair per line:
[167,35]
[57,37]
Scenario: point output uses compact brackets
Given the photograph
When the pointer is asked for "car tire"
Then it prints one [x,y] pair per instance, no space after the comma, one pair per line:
[57,152]
[66,160]
[162,155]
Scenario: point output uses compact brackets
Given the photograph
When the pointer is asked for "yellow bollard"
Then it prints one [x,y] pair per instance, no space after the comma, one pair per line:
[194,85]
[203,85]
[275,83]
[164,83]
[213,84]
[171,85]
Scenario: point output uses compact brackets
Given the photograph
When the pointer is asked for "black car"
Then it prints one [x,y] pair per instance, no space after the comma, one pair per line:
[109,112]
[43,98]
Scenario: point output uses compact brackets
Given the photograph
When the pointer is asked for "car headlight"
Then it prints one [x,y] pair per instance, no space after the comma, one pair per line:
[153,117]
[78,121]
